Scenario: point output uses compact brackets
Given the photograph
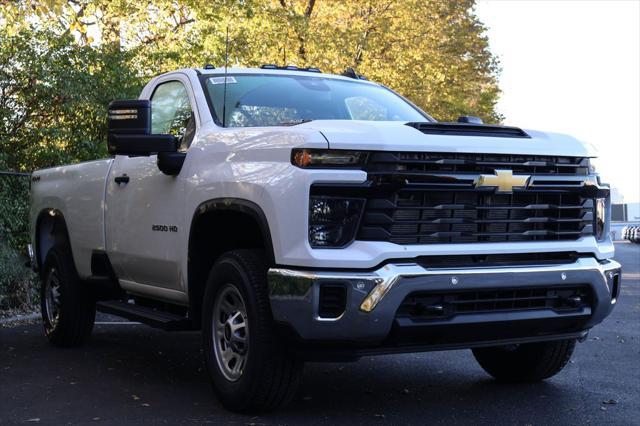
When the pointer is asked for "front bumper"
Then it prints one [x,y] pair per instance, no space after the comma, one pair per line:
[294,297]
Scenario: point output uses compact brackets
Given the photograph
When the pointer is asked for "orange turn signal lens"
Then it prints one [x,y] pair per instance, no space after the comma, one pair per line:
[319,158]
[302,158]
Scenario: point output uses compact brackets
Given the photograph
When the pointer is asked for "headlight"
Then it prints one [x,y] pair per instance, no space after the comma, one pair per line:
[601,218]
[333,222]
[322,158]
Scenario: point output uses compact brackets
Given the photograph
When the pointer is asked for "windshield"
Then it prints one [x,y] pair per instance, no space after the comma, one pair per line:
[276,100]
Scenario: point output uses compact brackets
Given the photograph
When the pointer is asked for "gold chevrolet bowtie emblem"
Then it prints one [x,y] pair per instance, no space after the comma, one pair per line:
[504,180]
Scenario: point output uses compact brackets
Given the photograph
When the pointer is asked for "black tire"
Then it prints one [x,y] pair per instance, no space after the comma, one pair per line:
[527,362]
[70,322]
[271,375]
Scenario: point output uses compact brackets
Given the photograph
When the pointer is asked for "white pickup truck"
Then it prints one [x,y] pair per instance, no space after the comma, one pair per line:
[293,215]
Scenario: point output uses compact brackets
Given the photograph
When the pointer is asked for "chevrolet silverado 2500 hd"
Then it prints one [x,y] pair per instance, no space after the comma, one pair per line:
[294,215]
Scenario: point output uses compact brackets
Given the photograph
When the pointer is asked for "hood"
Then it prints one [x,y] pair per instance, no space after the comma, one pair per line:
[397,136]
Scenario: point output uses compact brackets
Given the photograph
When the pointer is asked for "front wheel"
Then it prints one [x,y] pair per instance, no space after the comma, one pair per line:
[249,366]
[525,362]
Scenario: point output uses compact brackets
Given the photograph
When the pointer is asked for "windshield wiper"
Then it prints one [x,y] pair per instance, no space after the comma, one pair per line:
[294,122]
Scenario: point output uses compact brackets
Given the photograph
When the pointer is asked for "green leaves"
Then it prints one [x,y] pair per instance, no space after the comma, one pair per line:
[53,97]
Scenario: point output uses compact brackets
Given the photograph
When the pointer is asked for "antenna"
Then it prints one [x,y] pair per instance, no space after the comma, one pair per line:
[224,95]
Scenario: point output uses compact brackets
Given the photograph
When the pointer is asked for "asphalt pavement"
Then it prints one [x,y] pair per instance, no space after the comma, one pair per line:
[130,373]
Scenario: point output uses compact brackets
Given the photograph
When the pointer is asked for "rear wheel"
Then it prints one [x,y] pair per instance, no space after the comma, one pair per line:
[525,362]
[68,308]
[250,368]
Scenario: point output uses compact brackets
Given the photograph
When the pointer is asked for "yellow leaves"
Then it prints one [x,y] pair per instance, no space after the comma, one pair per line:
[79,27]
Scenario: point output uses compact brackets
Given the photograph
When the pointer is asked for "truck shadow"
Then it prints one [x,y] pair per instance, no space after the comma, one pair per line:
[416,388]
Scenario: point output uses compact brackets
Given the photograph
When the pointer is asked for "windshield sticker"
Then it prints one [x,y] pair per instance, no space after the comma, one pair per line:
[220,80]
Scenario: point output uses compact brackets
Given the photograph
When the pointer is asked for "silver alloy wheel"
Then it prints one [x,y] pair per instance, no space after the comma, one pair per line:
[230,332]
[52,297]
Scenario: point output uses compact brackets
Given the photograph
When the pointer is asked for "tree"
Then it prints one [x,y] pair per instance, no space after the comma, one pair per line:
[432,51]
[53,97]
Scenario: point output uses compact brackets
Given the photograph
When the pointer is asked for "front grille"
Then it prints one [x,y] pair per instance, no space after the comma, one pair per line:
[424,306]
[469,216]
[427,198]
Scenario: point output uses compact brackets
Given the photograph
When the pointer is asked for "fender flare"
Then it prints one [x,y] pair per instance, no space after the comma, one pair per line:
[56,218]
[239,205]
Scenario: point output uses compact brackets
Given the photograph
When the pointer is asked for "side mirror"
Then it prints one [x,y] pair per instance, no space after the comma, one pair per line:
[130,130]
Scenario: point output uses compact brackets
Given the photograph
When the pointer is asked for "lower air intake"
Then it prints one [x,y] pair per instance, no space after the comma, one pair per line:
[332,300]
[426,306]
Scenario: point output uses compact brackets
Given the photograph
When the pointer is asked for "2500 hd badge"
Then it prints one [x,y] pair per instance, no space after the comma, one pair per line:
[164,228]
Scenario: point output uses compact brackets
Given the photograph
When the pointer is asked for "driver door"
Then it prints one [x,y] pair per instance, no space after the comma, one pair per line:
[145,229]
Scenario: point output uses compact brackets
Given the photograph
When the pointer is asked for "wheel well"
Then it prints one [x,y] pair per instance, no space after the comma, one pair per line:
[51,230]
[219,226]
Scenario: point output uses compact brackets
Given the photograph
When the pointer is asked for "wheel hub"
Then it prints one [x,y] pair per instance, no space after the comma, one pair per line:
[230,332]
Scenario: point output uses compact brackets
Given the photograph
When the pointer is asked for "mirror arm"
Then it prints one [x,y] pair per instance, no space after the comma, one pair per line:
[170,163]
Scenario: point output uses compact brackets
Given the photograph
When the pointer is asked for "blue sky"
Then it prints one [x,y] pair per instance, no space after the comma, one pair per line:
[573,67]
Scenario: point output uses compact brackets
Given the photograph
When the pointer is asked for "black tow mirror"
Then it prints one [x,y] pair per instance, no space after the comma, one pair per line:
[130,130]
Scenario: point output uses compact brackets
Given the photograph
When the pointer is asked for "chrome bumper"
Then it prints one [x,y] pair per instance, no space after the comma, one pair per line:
[373,298]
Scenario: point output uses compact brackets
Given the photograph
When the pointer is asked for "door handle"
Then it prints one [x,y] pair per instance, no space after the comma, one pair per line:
[121,179]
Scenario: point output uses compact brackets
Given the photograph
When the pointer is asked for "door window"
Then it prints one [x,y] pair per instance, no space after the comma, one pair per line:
[171,113]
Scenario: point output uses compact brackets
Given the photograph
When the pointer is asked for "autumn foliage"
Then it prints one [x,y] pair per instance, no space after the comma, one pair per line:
[62,61]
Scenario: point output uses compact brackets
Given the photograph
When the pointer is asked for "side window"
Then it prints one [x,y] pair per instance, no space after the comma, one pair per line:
[171,113]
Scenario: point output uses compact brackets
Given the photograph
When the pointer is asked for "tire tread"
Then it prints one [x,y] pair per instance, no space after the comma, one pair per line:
[77,304]
[278,374]
[528,362]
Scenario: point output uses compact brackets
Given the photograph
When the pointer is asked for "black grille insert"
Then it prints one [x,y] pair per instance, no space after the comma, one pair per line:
[497,260]
[469,216]
[442,305]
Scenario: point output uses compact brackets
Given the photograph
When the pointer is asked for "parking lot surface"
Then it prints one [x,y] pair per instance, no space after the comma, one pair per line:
[130,373]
